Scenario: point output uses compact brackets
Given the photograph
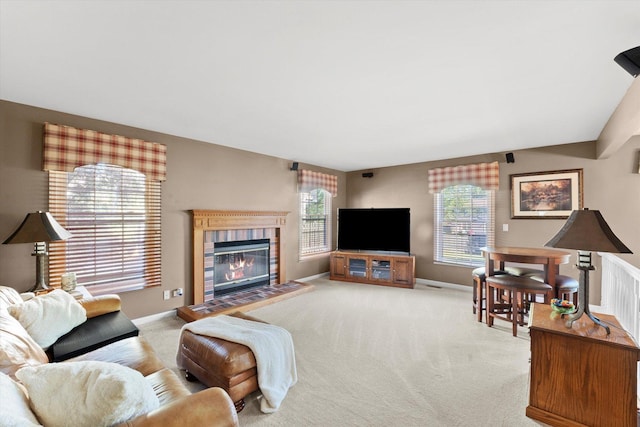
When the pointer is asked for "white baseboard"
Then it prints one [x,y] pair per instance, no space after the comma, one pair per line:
[426,282]
[153,317]
[436,284]
[315,276]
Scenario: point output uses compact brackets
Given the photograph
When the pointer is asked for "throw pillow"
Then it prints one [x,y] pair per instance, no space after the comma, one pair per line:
[9,296]
[49,316]
[17,348]
[15,411]
[87,393]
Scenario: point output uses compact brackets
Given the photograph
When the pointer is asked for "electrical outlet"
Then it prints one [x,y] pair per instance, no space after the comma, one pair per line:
[166,295]
[177,292]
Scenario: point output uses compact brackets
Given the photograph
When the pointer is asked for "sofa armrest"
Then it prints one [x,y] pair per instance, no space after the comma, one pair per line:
[96,306]
[209,407]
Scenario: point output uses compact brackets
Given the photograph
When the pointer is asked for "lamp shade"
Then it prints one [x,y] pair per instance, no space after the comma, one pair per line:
[38,227]
[587,230]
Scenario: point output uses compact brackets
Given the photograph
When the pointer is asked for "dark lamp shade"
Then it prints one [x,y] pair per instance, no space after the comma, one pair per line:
[38,227]
[629,60]
[587,230]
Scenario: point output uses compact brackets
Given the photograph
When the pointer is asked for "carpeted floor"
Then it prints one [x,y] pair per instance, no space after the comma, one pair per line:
[379,356]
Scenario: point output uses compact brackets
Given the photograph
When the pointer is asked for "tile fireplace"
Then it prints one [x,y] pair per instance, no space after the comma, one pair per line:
[217,232]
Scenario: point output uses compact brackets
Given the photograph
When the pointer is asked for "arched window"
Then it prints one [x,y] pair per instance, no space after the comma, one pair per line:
[114,216]
[106,190]
[315,191]
[315,222]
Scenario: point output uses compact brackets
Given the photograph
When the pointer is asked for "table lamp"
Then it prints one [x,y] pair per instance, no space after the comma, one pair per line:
[39,228]
[586,231]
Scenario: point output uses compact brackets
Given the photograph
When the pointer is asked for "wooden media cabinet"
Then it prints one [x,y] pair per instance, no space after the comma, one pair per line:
[371,268]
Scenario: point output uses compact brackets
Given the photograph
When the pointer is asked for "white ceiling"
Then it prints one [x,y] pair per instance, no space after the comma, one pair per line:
[348,85]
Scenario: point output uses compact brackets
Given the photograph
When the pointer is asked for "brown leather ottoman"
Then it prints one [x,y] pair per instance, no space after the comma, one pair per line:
[219,363]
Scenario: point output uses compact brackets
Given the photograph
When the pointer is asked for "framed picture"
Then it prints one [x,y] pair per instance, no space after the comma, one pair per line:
[551,194]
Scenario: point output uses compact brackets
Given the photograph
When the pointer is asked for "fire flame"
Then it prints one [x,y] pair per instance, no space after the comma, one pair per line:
[236,269]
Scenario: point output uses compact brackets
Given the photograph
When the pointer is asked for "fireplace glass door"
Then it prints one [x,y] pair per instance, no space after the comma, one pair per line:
[240,265]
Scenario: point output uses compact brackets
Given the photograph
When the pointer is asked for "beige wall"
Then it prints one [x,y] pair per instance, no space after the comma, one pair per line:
[610,185]
[203,176]
[200,176]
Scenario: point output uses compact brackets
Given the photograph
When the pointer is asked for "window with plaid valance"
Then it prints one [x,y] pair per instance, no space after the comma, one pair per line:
[315,190]
[310,180]
[463,212]
[483,175]
[106,190]
[66,148]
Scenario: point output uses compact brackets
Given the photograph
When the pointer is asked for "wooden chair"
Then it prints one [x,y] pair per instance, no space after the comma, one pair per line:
[479,299]
[478,275]
[519,292]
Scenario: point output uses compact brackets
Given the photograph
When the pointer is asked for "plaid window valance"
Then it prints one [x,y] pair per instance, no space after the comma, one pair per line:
[66,148]
[483,175]
[309,180]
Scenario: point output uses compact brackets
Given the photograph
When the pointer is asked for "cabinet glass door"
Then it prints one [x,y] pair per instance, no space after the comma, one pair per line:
[380,269]
[358,267]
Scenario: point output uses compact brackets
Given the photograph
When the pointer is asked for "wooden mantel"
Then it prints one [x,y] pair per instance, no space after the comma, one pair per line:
[211,220]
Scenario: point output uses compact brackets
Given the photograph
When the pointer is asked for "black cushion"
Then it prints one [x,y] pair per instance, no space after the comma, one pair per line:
[96,332]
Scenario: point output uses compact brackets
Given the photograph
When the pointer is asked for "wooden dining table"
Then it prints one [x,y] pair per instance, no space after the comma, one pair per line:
[550,259]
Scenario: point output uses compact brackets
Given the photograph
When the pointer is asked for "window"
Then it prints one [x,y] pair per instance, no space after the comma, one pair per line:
[315,222]
[464,218]
[114,215]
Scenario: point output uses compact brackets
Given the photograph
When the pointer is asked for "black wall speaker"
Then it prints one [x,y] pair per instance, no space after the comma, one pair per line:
[367,175]
[294,166]
[630,60]
[510,158]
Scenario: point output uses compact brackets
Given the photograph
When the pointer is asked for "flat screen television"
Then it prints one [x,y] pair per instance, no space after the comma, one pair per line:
[374,229]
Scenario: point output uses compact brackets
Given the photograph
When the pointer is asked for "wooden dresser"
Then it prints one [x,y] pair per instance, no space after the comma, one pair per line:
[580,376]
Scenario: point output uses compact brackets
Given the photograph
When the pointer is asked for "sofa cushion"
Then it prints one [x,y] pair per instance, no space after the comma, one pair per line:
[89,393]
[9,296]
[46,318]
[15,410]
[17,348]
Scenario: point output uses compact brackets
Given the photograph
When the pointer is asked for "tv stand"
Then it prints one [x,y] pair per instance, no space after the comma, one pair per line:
[373,268]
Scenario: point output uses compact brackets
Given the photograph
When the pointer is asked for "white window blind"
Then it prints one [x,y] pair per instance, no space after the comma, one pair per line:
[315,222]
[114,215]
[463,223]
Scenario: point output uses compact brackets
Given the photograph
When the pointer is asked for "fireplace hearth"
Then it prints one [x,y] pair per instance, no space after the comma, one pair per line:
[238,265]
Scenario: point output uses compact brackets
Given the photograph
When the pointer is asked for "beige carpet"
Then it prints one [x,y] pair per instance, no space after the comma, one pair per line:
[379,356]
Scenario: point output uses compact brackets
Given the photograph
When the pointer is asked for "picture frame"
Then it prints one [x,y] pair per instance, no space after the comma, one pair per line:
[546,195]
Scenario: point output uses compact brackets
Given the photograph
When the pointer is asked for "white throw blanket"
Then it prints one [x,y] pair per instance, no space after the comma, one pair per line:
[271,345]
